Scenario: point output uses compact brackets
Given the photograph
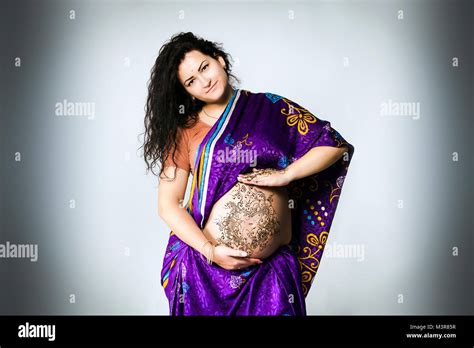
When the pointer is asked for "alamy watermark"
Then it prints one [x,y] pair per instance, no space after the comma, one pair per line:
[81,109]
[24,251]
[345,251]
[392,108]
[37,331]
[236,155]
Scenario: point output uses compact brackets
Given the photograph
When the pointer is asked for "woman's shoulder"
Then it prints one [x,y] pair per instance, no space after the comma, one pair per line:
[275,98]
[182,137]
[193,130]
[265,95]
[277,101]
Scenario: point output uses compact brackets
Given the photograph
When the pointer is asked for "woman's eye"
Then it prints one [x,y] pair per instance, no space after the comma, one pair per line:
[203,68]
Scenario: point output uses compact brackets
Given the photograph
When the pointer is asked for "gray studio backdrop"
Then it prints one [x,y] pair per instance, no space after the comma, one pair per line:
[395,78]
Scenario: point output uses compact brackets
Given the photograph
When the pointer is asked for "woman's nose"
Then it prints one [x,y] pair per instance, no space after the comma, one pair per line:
[205,82]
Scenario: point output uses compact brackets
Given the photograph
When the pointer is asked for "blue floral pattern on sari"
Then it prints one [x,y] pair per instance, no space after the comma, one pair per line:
[273,97]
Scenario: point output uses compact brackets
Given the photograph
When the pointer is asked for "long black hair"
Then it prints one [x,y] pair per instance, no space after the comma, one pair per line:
[169,106]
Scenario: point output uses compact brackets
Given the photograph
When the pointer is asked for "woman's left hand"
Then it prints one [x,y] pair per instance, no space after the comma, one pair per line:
[266,177]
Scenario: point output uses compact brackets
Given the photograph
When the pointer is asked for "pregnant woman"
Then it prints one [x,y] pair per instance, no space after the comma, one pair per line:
[266,180]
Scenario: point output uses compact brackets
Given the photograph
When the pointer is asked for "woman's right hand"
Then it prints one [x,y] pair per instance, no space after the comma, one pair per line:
[232,259]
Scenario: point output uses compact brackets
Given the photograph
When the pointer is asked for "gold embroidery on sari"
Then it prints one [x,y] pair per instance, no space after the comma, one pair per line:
[298,115]
[309,254]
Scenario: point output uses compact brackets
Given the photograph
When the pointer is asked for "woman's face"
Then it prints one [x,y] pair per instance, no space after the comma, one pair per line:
[203,76]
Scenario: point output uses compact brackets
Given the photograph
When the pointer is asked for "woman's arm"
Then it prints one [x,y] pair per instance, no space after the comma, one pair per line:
[314,161]
[170,194]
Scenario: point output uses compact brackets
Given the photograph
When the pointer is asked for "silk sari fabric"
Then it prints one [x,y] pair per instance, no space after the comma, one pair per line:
[280,132]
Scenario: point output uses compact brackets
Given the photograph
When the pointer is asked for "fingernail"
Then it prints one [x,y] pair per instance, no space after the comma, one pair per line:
[244,254]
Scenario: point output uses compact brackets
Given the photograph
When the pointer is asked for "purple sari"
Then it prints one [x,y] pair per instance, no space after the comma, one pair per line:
[280,131]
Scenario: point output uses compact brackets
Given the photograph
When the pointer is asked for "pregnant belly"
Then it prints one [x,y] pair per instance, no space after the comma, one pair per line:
[251,218]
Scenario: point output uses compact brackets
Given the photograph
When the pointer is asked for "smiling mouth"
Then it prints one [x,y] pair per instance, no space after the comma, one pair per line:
[211,87]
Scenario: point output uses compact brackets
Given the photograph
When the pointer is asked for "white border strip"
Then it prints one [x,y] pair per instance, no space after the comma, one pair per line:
[211,152]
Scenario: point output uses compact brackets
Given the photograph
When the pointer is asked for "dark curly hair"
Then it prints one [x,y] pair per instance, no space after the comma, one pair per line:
[169,106]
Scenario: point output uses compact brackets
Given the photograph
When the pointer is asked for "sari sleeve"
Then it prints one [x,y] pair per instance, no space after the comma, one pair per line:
[314,198]
[182,152]
[307,131]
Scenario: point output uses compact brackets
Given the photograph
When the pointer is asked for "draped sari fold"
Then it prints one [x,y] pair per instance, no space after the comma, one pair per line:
[279,132]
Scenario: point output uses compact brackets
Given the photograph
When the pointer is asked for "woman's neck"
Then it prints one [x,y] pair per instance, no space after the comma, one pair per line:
[211,111]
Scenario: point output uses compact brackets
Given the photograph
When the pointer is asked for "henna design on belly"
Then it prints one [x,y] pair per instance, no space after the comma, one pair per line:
[250,222]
